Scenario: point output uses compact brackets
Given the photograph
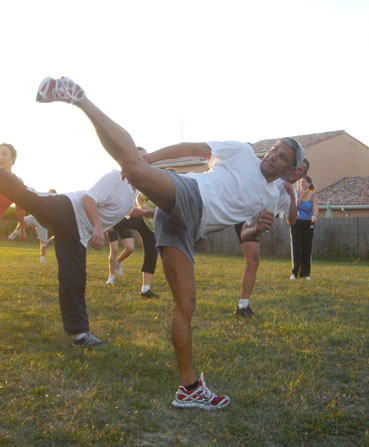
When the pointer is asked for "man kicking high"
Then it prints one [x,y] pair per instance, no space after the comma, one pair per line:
[237,186]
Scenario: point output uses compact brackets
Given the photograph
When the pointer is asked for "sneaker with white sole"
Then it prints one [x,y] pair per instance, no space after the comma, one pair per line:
[110,280]
[293,277]
[63,89]
[14,234]
[118,268]
[308,278]
[200,397]
[86,340]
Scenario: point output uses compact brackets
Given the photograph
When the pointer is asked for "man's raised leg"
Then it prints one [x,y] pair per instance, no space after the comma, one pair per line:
[155,183]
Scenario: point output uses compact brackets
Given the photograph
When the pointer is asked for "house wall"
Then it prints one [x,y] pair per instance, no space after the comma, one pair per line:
[335,158]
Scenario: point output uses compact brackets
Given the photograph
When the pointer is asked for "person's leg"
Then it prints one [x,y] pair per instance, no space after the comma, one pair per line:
[113,245]
[129,248]
[180,275]
[71,257]
[250,252]
[307,250]
[153,182]
[42,252]
[150,258]
[296,249]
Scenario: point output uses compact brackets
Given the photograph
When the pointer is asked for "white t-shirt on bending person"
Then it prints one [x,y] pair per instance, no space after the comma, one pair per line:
[114,197]
[234,189]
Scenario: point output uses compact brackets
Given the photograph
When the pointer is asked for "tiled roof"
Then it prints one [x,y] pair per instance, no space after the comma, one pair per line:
[347,191]
[263,146]
[182,161]
[260,148]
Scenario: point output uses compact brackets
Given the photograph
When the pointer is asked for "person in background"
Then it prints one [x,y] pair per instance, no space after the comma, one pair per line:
[302,231]
[8,155]
[42,233]
[251,248]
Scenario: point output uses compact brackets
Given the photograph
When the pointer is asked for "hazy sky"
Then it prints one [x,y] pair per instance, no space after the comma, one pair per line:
[230,70]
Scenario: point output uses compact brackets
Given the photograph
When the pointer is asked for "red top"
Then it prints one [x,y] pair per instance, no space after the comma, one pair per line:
[4,205]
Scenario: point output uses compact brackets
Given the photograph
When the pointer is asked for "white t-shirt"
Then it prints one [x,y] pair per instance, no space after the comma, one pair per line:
[234,189]
[114,197]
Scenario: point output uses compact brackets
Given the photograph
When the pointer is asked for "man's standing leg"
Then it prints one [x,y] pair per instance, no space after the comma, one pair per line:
[250,250]
[179,273]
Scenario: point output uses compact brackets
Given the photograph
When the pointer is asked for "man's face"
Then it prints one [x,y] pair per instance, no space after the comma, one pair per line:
[6,160]
[300,172]
[278,161]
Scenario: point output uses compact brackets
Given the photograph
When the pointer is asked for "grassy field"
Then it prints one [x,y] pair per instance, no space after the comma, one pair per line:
[297,374]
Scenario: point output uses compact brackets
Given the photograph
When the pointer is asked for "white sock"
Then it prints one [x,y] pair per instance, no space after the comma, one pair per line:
[243,303]
[112,277]
[43,259]
[145,289]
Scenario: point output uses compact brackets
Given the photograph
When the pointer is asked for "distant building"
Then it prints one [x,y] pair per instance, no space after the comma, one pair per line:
[347,197]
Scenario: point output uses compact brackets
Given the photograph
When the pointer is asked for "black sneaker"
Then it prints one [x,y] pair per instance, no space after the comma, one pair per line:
[149,294]
[87,341]
[244,312]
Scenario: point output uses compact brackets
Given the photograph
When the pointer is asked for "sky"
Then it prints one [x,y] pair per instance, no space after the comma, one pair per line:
[177,70]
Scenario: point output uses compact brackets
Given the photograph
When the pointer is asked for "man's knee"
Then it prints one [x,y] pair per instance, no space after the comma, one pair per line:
[134,170]
[185,308]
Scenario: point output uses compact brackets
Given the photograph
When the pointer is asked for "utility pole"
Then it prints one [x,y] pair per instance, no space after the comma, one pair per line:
[181,124]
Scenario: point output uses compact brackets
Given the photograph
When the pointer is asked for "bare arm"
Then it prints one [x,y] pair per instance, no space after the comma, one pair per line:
[179,150]
[264,223]
[140,212]
[20,215]
[90,207]
[292,212]
[315,208]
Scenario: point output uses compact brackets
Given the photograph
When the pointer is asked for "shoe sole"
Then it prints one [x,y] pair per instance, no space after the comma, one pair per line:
[88,346]
[176,406]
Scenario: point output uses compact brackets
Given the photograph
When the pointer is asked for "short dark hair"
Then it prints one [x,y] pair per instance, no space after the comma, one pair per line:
[12,150]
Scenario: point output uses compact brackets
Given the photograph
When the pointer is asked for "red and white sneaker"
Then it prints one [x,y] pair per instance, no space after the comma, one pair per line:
[200,397]
[63,89]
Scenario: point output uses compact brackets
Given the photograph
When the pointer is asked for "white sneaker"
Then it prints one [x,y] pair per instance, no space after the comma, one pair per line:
[200,397]
[308,278]
[63,89]
[118,268]
[292,277]
[43,261]
[14,234]
[110,280]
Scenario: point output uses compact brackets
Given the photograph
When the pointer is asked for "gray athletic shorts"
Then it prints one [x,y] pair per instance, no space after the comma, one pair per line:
[178,227]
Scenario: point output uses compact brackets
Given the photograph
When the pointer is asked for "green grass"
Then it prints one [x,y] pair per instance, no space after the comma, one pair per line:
[297,374]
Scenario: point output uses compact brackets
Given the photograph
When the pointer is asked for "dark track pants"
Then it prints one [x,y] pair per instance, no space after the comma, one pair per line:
[57,211]
[147,238]
[301,246]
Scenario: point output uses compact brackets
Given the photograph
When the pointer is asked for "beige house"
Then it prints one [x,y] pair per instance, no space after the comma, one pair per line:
[333,156]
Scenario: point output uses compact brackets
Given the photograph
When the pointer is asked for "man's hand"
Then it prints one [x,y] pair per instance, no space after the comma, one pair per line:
[98,238]
[265,221]
[289,189]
